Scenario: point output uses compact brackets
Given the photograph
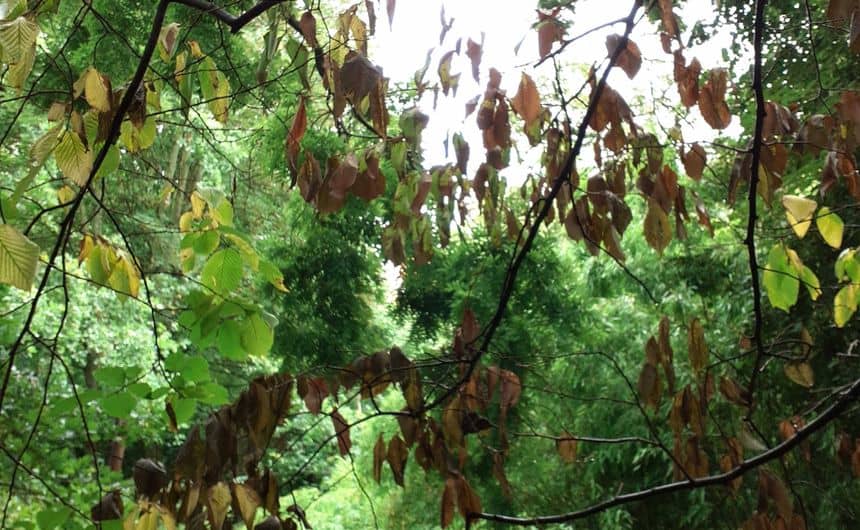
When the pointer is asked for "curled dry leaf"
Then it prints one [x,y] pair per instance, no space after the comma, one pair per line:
[629,58]
[566,447]
[712,100]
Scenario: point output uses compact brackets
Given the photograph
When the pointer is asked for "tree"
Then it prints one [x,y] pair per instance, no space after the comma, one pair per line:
[535,384]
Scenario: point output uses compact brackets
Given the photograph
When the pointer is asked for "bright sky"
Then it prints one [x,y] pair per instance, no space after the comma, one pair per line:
[507,24]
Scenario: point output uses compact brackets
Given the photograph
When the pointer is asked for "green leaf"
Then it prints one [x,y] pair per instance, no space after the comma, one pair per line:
[195,369]
[110,376]
[230,341]
[111,161]
[141,390]
[844,305]
[257,336]
[119,405]
[135,139]
[211,394]
[50,518]
[830,226]
[206,242]
[18,258]
[184,409]
[223,271]
[780,279]
[847,266]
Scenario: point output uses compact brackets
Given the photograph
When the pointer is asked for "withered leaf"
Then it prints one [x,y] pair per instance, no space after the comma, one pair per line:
[694,161]
[108,508]
[734,392]
[149,477]
[526,103]
[474,52]
[217,504]
[712,100]
[649,385]
[312,390]
[341,429]
[397,455]
[294,138]
[629,59]
[467,500]
[550,30]
[358,77]
[658,230]
[378,458]
[247,500]
[449,495]
[697,348]
[308,26]
[566,447]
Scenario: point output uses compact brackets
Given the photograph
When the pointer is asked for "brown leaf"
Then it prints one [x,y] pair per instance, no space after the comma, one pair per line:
[550,30]
[358,77]
[447,79]
[501,477]
[667,16]
[452,423]
[342,174]
[734,392]
[694,161]
[108,508]
[712,100]
[629,59]
[687,79]
[697,348]
[770,486]
[474,52]
[397,455]
[467,500]
[658,231]
[312,390]
[378,458]
[449,495]
[649,385]
[341,429]
[308,26]
[370,183]
[509,389]
[566,447]
[526,103]
[294,138]
[149,477]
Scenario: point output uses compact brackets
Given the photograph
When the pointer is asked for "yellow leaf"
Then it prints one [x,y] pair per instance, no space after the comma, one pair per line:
[830,226]
[185,221]
[248,501]
[73,158]
[844,305]
[96,90]
[217,504]
[65,194]
[198,204]
[86,247]
[799,212]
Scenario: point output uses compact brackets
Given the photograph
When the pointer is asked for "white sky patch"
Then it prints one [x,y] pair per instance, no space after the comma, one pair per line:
[507,26]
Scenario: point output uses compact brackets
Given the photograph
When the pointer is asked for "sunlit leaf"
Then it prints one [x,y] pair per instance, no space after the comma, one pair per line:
[18,258]
[830,226]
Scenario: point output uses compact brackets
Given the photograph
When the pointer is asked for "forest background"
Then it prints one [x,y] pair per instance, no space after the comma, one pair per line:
[243,284]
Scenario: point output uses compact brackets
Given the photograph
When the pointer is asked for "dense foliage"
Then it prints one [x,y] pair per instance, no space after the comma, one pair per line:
[235,293]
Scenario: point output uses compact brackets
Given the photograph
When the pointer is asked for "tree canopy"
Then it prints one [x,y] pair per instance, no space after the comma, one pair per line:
[241,289]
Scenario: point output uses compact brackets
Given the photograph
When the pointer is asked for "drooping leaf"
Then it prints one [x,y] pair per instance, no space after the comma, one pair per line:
[780,279]
[97,90]
[18,258]
[341,430]
[257,336]
[658,230]
[694,161]
[379,455]
[217,504]
[696,346]
[712,100]
[398,452]
[845,304]
[248,500]
[629,58]
[566,447]
[223,271]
